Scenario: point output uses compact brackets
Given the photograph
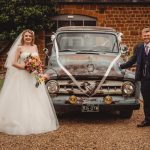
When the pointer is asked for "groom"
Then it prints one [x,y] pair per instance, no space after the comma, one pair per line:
[141,55]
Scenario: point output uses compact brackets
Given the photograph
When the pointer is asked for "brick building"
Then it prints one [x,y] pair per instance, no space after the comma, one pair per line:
[126,16]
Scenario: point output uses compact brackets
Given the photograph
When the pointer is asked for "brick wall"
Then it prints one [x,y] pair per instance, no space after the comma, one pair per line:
[129,19]
[39,40]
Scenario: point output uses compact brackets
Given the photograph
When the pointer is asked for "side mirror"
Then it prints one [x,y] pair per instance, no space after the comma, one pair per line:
[46,51]
[124,52]
[124,49]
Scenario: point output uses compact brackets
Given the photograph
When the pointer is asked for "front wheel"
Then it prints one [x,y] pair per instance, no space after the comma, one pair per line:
[126,114]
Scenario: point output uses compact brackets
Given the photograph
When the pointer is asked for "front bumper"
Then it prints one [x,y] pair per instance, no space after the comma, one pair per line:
[104,107]
[62,104]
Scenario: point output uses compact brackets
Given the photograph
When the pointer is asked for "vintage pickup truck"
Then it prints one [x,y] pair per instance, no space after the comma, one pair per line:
[84,72]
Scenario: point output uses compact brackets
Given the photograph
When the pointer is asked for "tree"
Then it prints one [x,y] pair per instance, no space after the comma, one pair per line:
[17,15]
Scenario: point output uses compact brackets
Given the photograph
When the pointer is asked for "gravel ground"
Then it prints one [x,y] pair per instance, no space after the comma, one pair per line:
[86,132]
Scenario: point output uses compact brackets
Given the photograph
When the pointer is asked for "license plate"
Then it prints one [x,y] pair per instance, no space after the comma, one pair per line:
[90,108]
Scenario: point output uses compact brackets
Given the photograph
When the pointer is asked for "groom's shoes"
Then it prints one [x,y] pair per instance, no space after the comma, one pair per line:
[143,124]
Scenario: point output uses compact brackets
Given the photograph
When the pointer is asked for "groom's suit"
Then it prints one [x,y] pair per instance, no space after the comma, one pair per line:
[142,74]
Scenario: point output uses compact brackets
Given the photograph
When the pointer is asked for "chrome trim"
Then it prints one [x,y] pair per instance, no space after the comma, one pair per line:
[109,87]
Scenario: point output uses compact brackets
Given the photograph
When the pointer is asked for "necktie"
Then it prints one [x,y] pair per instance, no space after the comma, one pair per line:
[146,50]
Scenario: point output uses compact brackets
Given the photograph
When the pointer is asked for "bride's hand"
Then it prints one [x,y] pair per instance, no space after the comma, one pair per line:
[35,72]
[46,76]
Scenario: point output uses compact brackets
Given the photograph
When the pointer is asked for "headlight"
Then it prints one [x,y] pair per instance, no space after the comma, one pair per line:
[128,88]
[52,86]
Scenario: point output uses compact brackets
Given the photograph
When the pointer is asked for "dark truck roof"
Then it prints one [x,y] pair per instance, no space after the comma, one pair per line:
[86,28]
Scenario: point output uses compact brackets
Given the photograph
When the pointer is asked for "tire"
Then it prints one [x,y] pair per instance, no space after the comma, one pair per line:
[126,114]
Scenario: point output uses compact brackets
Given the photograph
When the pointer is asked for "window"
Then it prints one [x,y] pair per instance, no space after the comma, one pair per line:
[68,20]
[73,20]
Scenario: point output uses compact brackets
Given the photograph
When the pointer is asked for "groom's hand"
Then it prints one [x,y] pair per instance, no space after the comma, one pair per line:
[118,64]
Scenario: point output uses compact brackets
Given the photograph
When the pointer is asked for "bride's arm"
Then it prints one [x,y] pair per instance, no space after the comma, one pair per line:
[17,56]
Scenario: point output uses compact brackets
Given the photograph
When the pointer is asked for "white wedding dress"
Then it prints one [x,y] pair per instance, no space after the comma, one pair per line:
[25,109]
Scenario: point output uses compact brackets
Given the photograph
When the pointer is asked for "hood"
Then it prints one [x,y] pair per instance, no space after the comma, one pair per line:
[87,65]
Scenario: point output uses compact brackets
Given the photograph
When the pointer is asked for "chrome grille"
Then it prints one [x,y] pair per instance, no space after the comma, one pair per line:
[108,87]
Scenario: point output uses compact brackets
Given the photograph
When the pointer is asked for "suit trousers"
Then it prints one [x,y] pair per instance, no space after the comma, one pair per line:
[145,90]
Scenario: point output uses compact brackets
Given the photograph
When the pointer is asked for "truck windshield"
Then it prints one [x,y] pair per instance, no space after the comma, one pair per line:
[83,41]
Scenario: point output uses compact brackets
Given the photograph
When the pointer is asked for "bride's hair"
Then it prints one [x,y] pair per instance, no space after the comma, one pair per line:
[32,34]
[19,41]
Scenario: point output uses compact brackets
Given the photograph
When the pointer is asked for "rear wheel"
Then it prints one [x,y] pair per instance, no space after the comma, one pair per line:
[126,114]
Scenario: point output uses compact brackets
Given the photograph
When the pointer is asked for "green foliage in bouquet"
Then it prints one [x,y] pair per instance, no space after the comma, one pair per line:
[17,15]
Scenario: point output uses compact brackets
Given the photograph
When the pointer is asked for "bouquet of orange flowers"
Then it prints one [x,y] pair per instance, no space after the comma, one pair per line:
[34,66]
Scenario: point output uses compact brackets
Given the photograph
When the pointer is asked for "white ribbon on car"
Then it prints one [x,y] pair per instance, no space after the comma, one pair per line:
[74,80]
[107,73]
[65,70]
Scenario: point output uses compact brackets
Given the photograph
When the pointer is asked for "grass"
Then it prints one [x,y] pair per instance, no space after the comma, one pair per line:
[1,83]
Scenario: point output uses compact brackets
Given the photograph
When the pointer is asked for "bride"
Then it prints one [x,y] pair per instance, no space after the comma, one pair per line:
[24,109]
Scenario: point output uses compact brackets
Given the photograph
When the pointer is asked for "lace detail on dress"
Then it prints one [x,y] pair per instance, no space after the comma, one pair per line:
[23,55]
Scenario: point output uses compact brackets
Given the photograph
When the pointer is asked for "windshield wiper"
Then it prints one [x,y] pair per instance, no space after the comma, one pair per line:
[87,52]
[67,50]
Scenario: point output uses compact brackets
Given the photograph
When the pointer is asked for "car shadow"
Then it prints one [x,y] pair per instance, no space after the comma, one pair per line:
[89,117]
